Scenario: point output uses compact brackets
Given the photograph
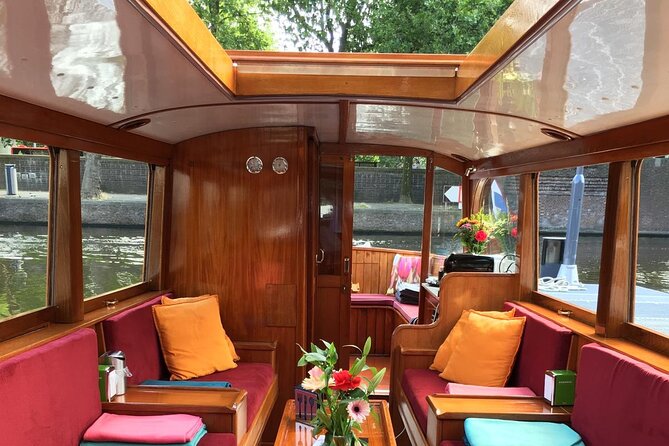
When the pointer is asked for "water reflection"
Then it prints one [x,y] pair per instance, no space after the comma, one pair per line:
[112,258]
[87,62]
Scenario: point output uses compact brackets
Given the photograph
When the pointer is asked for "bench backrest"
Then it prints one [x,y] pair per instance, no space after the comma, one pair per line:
[49,395]
[133,332]
[544,346]
[620,401]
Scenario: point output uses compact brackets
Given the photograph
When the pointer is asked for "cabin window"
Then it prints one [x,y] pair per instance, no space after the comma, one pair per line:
[113,215]
[651,294]
[388,202]
[446,211]
[24,207]
[572,204]
[500,201]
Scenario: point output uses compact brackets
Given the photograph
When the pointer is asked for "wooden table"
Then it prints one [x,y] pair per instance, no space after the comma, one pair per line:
[377,430]
[222,410]
[447,413]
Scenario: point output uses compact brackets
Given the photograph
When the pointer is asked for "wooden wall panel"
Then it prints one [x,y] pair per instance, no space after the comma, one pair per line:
[377,322]
[241,236]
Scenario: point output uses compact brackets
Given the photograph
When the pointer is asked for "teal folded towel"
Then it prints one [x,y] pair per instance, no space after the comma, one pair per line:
[194,441]
[490,432]
[160,382]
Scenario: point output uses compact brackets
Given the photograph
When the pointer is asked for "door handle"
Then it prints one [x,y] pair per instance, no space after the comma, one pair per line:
[347,265]
[322,254]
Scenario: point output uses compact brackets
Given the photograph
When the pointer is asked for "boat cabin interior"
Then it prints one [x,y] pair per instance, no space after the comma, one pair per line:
[296,197]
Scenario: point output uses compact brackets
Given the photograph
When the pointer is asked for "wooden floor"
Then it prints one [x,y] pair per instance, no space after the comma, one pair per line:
[383,390]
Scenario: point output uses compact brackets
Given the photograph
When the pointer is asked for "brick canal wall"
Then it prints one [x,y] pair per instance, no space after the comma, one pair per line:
[376,186]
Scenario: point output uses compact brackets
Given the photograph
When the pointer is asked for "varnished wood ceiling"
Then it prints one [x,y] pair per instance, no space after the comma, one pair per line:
[562,64]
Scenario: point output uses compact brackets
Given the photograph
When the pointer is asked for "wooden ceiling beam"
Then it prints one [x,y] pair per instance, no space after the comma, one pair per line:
[21,120]
[634,141]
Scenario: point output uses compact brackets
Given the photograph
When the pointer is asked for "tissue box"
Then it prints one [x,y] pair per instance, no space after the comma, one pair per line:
[107,382]
[306,404]
[559,387]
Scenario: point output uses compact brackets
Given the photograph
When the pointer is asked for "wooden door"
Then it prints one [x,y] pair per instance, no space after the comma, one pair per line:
[334,213]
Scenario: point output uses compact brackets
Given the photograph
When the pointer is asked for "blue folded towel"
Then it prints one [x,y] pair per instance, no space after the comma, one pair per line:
[194,441]
[160,382]
[491,432]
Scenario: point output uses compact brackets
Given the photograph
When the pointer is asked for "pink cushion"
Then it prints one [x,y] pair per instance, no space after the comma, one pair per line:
[452,443]
[161,429]
[218,440]
[465,389]
[49,395]
[620,401]
[408,311]
[255,378]
[544,346]
[134,332]
[417,385]
[372,299]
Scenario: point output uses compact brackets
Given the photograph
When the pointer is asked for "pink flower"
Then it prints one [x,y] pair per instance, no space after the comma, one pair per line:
[358,410]
[514,232]
[481,236]
[467,226]
[344,381]
[315,381]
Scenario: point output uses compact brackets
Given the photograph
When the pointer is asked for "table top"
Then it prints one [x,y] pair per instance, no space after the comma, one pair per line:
[457,407]
[205,399]
[378,430]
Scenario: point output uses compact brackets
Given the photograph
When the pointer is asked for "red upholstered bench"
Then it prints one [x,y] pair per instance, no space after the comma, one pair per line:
[133,331]
[49,395]
[619,400]
[544,346]
[407,311]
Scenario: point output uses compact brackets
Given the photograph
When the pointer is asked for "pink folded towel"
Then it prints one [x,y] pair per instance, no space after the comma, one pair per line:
[466,389]
[156,429]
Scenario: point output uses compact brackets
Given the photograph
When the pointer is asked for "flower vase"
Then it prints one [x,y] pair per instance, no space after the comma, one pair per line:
[336,440]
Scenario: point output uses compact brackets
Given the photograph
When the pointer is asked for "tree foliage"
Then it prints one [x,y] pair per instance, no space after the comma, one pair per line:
[388,26]
[236,24]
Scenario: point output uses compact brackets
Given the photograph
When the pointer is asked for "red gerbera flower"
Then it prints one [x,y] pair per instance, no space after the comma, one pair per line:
[344,381]
[481,236]
[514,232]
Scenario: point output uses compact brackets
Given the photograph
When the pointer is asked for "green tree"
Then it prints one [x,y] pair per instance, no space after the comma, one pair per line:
[432,26]
[387,26]
[325,25]
[236,24]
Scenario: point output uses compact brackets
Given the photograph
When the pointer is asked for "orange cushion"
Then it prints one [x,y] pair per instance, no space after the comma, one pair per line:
[184,300]
[446,348]
[486,351]
[192,338]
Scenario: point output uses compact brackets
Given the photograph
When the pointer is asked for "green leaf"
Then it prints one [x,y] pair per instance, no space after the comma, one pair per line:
[376,380]
[368,346]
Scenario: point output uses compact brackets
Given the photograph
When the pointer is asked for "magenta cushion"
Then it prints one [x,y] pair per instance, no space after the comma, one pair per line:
[452,443]
[218,440]
[417,385]
[49,394]
[133,331]
[466,389]
[255,378]
[544,346]
[408,311]
[620,401]
[372,299]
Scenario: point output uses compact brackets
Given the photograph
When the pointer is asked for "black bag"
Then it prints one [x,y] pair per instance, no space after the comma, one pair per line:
[407,296]
[469,263]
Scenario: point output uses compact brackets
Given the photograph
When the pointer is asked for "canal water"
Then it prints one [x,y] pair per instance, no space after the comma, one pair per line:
[112,258]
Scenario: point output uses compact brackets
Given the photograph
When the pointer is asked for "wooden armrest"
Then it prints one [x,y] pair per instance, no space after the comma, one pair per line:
[446,414]
[222,410]
[418,351]
[255,351]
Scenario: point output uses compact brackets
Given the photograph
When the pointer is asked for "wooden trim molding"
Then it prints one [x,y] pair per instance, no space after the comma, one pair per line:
[527,251]
[34,339]
[67,286]
[613,300]
[21,120]
[635,141]
[427,234]
[26,323]
[101,301]
[157,226]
